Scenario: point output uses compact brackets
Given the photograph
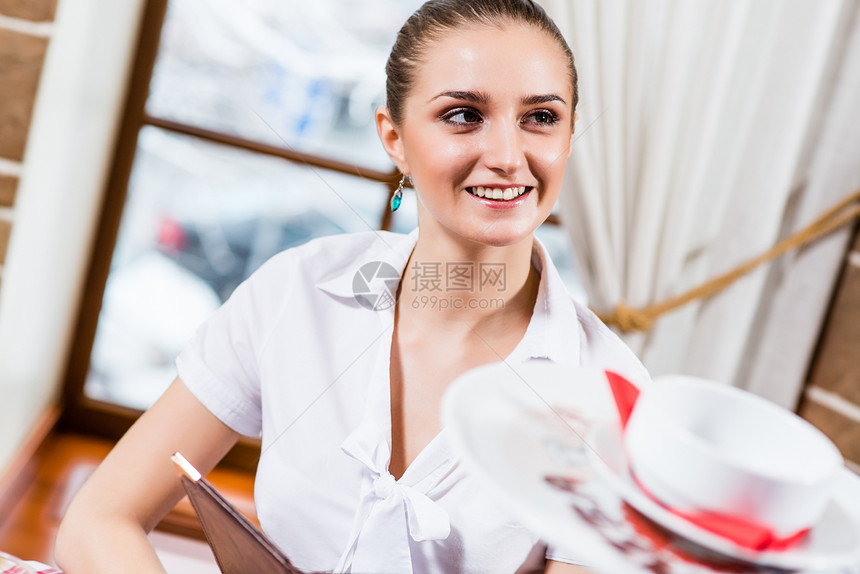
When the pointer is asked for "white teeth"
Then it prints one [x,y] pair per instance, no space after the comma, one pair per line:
[498,193]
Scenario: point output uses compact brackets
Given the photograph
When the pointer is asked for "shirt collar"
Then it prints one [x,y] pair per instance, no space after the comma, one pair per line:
[393,249]
[553,331]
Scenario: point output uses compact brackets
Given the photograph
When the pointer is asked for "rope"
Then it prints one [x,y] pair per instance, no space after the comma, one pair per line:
[629,319]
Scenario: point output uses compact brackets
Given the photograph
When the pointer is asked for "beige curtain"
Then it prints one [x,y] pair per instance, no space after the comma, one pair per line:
[708,130]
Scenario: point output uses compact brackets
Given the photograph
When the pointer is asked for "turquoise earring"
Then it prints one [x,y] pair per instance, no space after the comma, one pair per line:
[397,198]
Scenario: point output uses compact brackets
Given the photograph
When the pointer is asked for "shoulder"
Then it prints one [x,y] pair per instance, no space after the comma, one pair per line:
[325,257]
[600,347]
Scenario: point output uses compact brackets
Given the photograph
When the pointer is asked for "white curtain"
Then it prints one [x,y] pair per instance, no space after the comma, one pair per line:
[708,130]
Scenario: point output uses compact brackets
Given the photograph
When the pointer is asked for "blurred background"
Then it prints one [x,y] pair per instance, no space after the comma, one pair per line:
[201,215]
[153,154]
[257,134]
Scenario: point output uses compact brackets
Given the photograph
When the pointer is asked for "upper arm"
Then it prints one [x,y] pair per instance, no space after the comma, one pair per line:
[137,479]
[553,567]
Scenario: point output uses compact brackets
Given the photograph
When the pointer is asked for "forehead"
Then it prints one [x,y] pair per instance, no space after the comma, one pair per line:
[510,58]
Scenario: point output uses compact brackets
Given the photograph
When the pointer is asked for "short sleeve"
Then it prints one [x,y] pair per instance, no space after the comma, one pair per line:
[220,363]
[601,348]
[567,558]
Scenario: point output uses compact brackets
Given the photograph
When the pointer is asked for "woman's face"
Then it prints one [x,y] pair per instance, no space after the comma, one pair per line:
[489,115]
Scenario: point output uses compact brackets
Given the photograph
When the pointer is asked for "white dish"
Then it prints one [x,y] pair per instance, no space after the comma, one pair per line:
[700,444]
[832,543]
[522,430]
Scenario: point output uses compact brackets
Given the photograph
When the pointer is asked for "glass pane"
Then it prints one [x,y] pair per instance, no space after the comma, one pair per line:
[307,75]
[199,219]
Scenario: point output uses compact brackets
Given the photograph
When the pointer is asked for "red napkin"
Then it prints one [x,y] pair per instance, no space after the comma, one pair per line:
[41,568]
[625,394]
[741,531]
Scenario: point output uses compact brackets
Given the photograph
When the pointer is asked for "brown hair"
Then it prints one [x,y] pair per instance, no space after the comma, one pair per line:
[435,17]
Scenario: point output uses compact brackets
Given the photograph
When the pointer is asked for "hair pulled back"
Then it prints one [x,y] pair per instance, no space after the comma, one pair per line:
[436,17]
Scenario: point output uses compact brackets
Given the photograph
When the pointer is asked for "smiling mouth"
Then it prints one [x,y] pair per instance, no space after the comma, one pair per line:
[498,193]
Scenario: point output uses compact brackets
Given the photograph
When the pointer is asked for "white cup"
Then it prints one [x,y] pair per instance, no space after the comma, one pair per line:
[697,445]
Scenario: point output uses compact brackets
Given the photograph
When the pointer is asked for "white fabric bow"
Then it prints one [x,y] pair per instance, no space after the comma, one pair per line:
[387,512]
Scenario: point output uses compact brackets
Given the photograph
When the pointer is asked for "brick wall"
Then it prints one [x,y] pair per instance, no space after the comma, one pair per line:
[831,400]
[25,29]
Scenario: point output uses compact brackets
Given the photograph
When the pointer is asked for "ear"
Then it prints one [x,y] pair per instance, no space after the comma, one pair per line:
[391,139]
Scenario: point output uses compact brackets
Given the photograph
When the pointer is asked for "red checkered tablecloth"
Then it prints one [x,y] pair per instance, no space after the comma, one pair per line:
[37,566]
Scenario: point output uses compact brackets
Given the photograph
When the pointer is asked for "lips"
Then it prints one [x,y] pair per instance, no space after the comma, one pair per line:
[498,193]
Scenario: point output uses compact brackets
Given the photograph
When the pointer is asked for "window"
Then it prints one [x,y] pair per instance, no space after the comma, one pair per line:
[249,128]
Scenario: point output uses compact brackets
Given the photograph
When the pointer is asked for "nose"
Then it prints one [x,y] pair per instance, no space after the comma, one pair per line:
[504,153]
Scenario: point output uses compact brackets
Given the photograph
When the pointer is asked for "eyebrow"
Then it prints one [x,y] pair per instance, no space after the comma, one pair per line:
[483,98]
[474,97]
[542,99]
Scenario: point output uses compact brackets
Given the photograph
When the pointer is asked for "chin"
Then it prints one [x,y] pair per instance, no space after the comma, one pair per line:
[502,235]
[485,231]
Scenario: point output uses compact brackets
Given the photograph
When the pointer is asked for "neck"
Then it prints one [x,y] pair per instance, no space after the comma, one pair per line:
[454,283]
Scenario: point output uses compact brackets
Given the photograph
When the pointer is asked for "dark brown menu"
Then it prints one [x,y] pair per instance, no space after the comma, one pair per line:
[238,545]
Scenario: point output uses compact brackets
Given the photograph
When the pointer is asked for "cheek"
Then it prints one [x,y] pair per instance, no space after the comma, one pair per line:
[451,158]
[550,159]
[459,150]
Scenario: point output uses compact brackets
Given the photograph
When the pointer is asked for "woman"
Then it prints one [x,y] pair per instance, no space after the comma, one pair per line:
[355,474]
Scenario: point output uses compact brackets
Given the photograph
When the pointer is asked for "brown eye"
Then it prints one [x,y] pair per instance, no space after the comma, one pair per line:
[543,118]
[462,116]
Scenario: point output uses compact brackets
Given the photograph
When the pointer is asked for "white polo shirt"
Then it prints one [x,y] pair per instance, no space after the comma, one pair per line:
[294,357]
